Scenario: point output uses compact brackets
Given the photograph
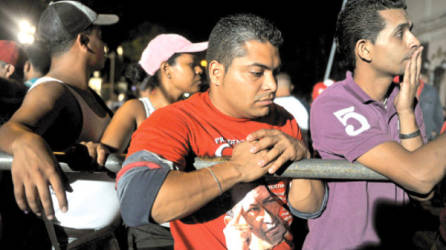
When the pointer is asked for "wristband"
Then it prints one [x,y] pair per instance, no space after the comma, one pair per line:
[216,180]
[411,135]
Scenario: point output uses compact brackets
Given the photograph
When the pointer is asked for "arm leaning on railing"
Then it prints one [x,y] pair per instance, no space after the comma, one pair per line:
[307,168]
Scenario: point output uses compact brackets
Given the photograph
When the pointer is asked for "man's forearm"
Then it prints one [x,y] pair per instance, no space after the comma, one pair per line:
[408,125]
[182,193]
[306,196]
[10,134]
[432,160]
[418,171]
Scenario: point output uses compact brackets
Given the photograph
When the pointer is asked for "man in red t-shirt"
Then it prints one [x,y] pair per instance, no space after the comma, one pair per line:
[233,204]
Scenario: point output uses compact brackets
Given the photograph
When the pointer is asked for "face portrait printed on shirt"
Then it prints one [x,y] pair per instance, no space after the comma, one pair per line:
[254,222]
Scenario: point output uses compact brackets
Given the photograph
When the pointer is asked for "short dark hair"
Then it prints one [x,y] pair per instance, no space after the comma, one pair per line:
[39,57]
[229,35]
[360,20]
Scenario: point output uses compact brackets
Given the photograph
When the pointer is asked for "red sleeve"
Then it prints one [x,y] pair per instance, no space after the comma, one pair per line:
[297,133]
[164,133]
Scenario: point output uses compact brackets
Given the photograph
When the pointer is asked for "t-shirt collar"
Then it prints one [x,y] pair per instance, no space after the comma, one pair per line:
[216,111]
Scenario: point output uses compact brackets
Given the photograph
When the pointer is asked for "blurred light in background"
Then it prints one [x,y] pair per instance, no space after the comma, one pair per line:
[120,50]
[204,63]
[121,97]
[95,82]
[26,32]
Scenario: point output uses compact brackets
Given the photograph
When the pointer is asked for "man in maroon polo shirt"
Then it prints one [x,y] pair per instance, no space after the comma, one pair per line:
[367,119]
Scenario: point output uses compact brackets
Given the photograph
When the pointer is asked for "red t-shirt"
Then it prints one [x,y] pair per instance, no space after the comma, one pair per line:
[195,128]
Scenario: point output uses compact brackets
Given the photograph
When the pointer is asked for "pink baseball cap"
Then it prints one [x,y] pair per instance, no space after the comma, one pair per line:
[163,46]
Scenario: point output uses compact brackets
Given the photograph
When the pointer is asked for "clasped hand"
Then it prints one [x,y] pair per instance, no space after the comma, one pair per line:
[265,151]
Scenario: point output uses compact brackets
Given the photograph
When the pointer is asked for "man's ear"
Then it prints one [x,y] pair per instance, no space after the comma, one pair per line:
[27,67]
[216,72]
[9,69]
[83,40]
[364,50]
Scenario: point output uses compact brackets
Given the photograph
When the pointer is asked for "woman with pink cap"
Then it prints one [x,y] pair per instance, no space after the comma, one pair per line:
[168,69]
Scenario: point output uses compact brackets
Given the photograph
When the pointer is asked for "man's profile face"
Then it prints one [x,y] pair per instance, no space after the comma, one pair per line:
[395,43]
[260,211]
[96,46]
[249,85]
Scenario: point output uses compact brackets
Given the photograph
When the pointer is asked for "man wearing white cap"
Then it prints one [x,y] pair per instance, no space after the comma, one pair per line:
[57,112]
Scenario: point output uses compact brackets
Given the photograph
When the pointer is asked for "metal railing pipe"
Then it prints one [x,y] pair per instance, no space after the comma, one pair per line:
[308,168]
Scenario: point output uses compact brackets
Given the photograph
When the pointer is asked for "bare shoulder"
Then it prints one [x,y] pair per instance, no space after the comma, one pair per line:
[42,102]
[50,91]
[133,105]
[132,108]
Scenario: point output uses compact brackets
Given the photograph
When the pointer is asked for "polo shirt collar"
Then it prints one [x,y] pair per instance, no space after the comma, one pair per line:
[352,87]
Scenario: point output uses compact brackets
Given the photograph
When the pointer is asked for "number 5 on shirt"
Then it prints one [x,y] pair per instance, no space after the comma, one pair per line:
[346,114]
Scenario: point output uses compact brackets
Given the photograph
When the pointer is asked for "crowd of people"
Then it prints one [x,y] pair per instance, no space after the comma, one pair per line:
[246,115]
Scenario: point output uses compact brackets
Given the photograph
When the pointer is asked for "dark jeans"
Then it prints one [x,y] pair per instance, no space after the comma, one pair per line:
[149,237]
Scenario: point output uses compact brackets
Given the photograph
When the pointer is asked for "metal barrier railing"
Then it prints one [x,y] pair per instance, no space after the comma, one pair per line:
[307,168]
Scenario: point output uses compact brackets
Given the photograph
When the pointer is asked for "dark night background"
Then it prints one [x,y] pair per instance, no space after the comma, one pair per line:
[307,26]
